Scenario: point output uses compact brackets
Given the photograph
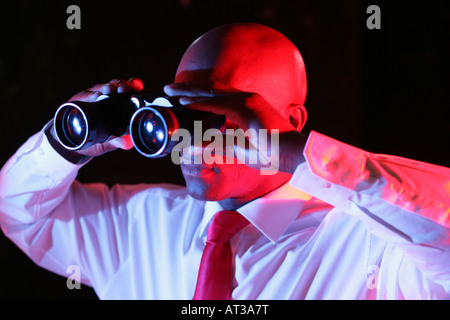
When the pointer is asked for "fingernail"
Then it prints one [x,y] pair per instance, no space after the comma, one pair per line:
[167,89]
[185,100]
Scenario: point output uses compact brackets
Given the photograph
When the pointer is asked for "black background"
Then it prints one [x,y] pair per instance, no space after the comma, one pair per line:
[386,91]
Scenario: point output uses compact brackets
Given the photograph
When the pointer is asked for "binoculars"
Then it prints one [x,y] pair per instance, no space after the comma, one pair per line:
[149,118]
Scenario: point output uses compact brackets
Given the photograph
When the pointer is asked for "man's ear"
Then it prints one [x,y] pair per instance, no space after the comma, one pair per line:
[297,116]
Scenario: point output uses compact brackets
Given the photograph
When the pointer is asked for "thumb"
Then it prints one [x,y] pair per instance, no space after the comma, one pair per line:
[123,142]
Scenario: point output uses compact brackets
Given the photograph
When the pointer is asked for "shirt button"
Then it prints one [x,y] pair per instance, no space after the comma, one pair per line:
[325,185]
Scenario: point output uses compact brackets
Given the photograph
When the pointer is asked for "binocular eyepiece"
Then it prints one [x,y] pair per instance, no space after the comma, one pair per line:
[150,119]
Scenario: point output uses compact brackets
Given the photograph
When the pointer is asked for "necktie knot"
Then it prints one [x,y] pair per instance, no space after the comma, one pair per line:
[224,226]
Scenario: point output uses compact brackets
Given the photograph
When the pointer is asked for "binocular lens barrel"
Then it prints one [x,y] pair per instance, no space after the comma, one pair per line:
[71,125]
[76,125]
[151,129]
[79,125]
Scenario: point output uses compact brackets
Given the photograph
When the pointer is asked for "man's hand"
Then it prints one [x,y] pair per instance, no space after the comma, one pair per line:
[248,111]
[91,95]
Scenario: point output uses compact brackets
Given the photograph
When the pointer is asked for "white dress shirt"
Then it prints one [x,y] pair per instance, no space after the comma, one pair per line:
[349,225]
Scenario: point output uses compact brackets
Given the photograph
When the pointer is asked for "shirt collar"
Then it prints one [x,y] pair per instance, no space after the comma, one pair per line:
[271,214]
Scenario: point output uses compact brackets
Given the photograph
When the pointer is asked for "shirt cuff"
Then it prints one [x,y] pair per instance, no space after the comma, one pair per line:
[70,156]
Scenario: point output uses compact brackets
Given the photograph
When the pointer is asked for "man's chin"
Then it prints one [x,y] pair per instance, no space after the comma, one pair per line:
[202,183]
[202,192]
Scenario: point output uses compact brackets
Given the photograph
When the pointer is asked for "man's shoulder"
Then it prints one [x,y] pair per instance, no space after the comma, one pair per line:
[154,189]
[165,190]
[151,199]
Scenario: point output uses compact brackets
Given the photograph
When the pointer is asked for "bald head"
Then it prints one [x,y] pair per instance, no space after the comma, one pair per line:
[249,57]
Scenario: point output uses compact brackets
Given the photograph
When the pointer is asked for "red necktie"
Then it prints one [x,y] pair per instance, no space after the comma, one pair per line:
[215,275]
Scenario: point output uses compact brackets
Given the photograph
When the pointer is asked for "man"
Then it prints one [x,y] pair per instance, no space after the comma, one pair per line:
[334,222]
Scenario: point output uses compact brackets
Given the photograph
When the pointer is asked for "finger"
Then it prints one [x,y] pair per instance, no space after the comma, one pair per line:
[116,82]
[132,85]
[123,142]
[136,84]
[208,104]
[189,89]
[87,96]
[221,105]
[122,86]
[105,88]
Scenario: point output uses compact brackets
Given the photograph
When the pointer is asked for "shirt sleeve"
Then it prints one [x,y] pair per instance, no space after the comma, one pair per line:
[402,201]
[57,221]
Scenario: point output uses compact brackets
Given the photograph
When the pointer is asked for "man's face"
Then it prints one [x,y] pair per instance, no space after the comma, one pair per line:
[239,58]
